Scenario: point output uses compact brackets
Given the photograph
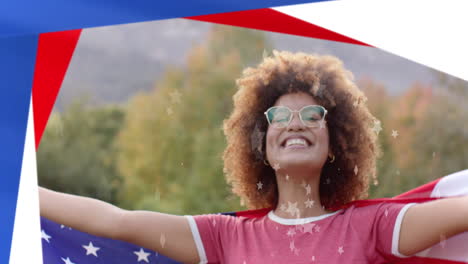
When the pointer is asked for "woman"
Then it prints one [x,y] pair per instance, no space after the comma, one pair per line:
[301,142]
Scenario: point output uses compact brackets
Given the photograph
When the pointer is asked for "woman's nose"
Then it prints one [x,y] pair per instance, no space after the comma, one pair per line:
[296,123]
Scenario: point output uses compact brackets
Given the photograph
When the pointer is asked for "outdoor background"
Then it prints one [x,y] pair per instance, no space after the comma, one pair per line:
[138,119]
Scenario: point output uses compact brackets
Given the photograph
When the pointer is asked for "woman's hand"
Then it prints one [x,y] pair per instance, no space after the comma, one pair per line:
[427,224]
[167,234]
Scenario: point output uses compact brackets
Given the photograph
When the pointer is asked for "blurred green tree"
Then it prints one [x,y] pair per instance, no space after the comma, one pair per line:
[77,153]
[172,142]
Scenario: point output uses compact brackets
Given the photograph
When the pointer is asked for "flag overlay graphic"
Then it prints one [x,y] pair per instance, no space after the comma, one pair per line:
[37,41]
[64,245]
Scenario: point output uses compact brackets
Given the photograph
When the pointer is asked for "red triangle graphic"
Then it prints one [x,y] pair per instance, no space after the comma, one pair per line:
[271,20]
[54,52]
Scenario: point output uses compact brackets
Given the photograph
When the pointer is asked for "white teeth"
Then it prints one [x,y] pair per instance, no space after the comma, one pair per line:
[296,141]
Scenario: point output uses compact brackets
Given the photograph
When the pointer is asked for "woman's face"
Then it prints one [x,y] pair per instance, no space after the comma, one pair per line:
[296,156]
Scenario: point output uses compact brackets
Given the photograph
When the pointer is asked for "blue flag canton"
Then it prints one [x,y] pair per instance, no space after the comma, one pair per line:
[61,244]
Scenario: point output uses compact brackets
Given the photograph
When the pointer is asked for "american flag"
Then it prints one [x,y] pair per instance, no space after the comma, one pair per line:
[64,245]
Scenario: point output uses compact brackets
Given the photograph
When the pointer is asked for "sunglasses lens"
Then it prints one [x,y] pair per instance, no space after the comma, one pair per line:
[278,116]
[311,115]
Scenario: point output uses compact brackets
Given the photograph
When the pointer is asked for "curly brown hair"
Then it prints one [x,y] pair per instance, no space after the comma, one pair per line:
[352,139]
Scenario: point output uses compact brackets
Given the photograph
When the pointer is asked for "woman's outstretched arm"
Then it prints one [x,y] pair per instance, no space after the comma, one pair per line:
[167,234]
[427,224]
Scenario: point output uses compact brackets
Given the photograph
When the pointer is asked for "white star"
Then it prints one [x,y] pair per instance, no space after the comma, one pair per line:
[340,250]
[162,240]
[62,226]
[309,203]
[67,261]
[45,236]
[175,96]
[377,127]
[142,255]
[292,208]
[355,170]
[291,232]
[276,166]
[90,249]
[307,187]
[259,185]
[394,133]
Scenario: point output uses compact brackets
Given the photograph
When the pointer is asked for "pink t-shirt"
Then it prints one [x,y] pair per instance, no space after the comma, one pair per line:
[368,234]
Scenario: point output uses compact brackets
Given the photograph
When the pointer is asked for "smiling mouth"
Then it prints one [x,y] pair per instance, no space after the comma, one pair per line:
[296,143]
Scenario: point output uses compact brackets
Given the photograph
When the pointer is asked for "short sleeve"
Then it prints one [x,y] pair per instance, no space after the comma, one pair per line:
[386,229]
[211,233]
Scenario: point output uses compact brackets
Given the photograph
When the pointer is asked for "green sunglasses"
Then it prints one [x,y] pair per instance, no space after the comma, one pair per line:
[310,116]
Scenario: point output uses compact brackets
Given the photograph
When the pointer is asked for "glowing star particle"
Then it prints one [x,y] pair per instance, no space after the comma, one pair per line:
[162,240]
[340,250]
[259,185]
[169,111]
[175,96]
[322,124]
[45,236]
[394,133]
[67,261]
[313,258]
[316,228]
[283,207]
[287,177]
[142,255]
[276,166]
[292,246]
[443,240]
[377,127]
[356,170]
[309,203]
[291,232]
[307,188]
[292,208]
[91,249]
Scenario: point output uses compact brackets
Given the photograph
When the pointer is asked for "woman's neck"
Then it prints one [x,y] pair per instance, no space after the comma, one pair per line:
[299,195]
